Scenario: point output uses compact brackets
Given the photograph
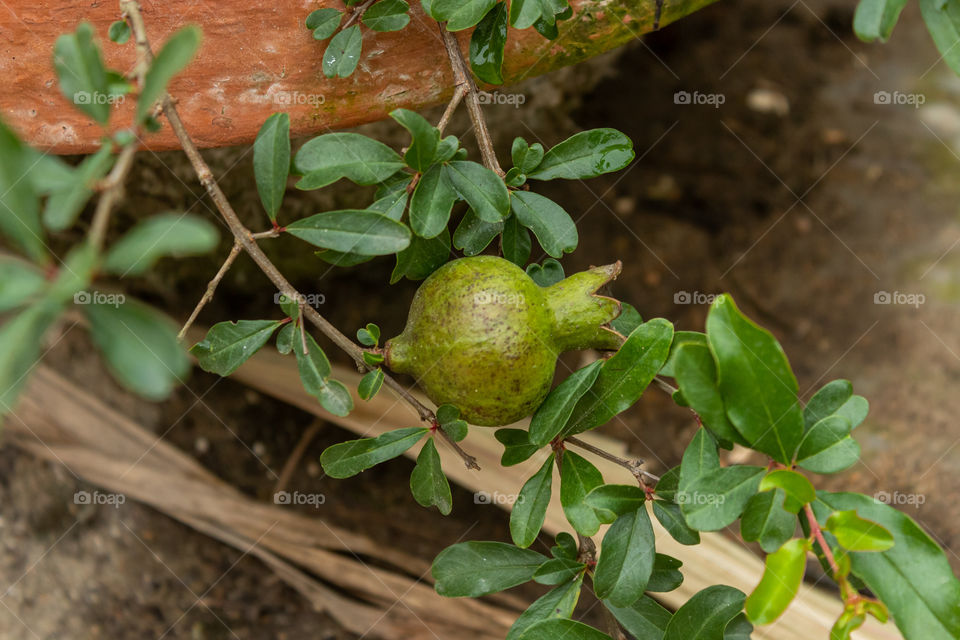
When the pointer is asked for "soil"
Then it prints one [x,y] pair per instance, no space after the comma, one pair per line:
[806,214]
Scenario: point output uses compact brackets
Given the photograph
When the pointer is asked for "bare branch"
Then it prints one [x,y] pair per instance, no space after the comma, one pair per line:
[211,288]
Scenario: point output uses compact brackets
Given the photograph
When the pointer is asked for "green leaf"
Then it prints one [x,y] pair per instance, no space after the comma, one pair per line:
[422,257]
[557,603]
[19,283]
[271,162]
[515,242]
[447,413]
[670,516]
[758,387]
[547,274]
[335,398]
[696,374]
[352,231]
[432,203]
[857,534]
[370,384]
[314,369]
[460,14]
[83,78]
[325,159]
[578,478]
[343,53]
[827,447]
[587,154]
[558,571]
[457,429]
[943,23]
[119,32]
[566,547]
[628,320]
[626,559]
[738,629]
[286,336]
[666,574]
[706,614]
[350,458]
[835,398]
[700,458]
[483,189]
[526,157]
[228,345]
[668,484]
[65,204]
[140,347]
[425,136]
[645,619]
[473,234]
[324,22]
[523,13]
[562,628]
[619,499]
[427,482]
[530,509]
[913,578]
[516,446]
[765,520]
[21,342]
[176,53]
[713,501]
[556,408]
[166,234]
[875,19]
[19,205]
[487,43]
[387,15]
[681,338]
[392,205]
[797,488]
[782,574]
[473,569]
[624,377]
[366,338]
[75,274]
[555,229]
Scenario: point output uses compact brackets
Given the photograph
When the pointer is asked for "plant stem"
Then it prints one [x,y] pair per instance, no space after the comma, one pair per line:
[211,288]
[245,238]
[818,535]
[633,466]
[458,93]
[357,14]
[463,77]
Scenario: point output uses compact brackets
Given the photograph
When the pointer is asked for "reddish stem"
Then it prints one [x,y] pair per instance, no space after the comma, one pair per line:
[818,535]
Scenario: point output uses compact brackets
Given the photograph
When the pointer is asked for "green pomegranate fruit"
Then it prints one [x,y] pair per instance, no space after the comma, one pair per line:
[485,337]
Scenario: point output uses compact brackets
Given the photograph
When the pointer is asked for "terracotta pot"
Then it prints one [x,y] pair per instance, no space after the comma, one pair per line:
[259,58]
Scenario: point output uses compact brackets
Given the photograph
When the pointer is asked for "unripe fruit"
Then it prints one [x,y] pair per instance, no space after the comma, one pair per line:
[483,336]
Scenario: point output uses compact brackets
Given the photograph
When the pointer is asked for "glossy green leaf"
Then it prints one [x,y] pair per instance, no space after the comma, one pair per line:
[140,347]
[645,619]
[483,189]
[797,488]
[457,429]
[314,369]
[547,274]
[858,534]
[460,14]
[626,559]
[555,229]
[670,516]
[83,78]
[473,569]
[526,157]
[175,54]
[432,203]
[422,257]
[335,398]
[556,408]
[324,22]
[19,283]
[666,488]
[666,575]
[717,499]
[765,520]
[566,547]
[350,458]
[516,446]
[119,32]
[286,337]
[699,459]
[352,231]
[487,43]
[835,398]
[578,478]
[738,629]
[228,345]
[557,603]
[782,574]
[618,499]
[758,387]
[65,204]
[427,482]
[557,571]
[587,154]
[628,320]
[624,377]
[681,338]
[530,509]
[342,54]
[523,13]
[875,19]
[706,614]
[515,242]
[327,158]
[392,205]
[166,234]
[473,235]
[827,446]
[387,15]
[425,137]
[21,349]
[696,374]
[562,628]
[271,162]
[370,384]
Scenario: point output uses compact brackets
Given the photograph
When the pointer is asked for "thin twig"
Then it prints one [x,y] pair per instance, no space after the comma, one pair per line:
[458,93]
[818,535]
[296,455]
[468,459]
[357,14]
[245,237]
[463,77]
[633,466]
[666,386]
[211,288]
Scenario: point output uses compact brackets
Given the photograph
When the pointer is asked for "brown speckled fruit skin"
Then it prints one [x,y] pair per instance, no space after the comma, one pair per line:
[480,335]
